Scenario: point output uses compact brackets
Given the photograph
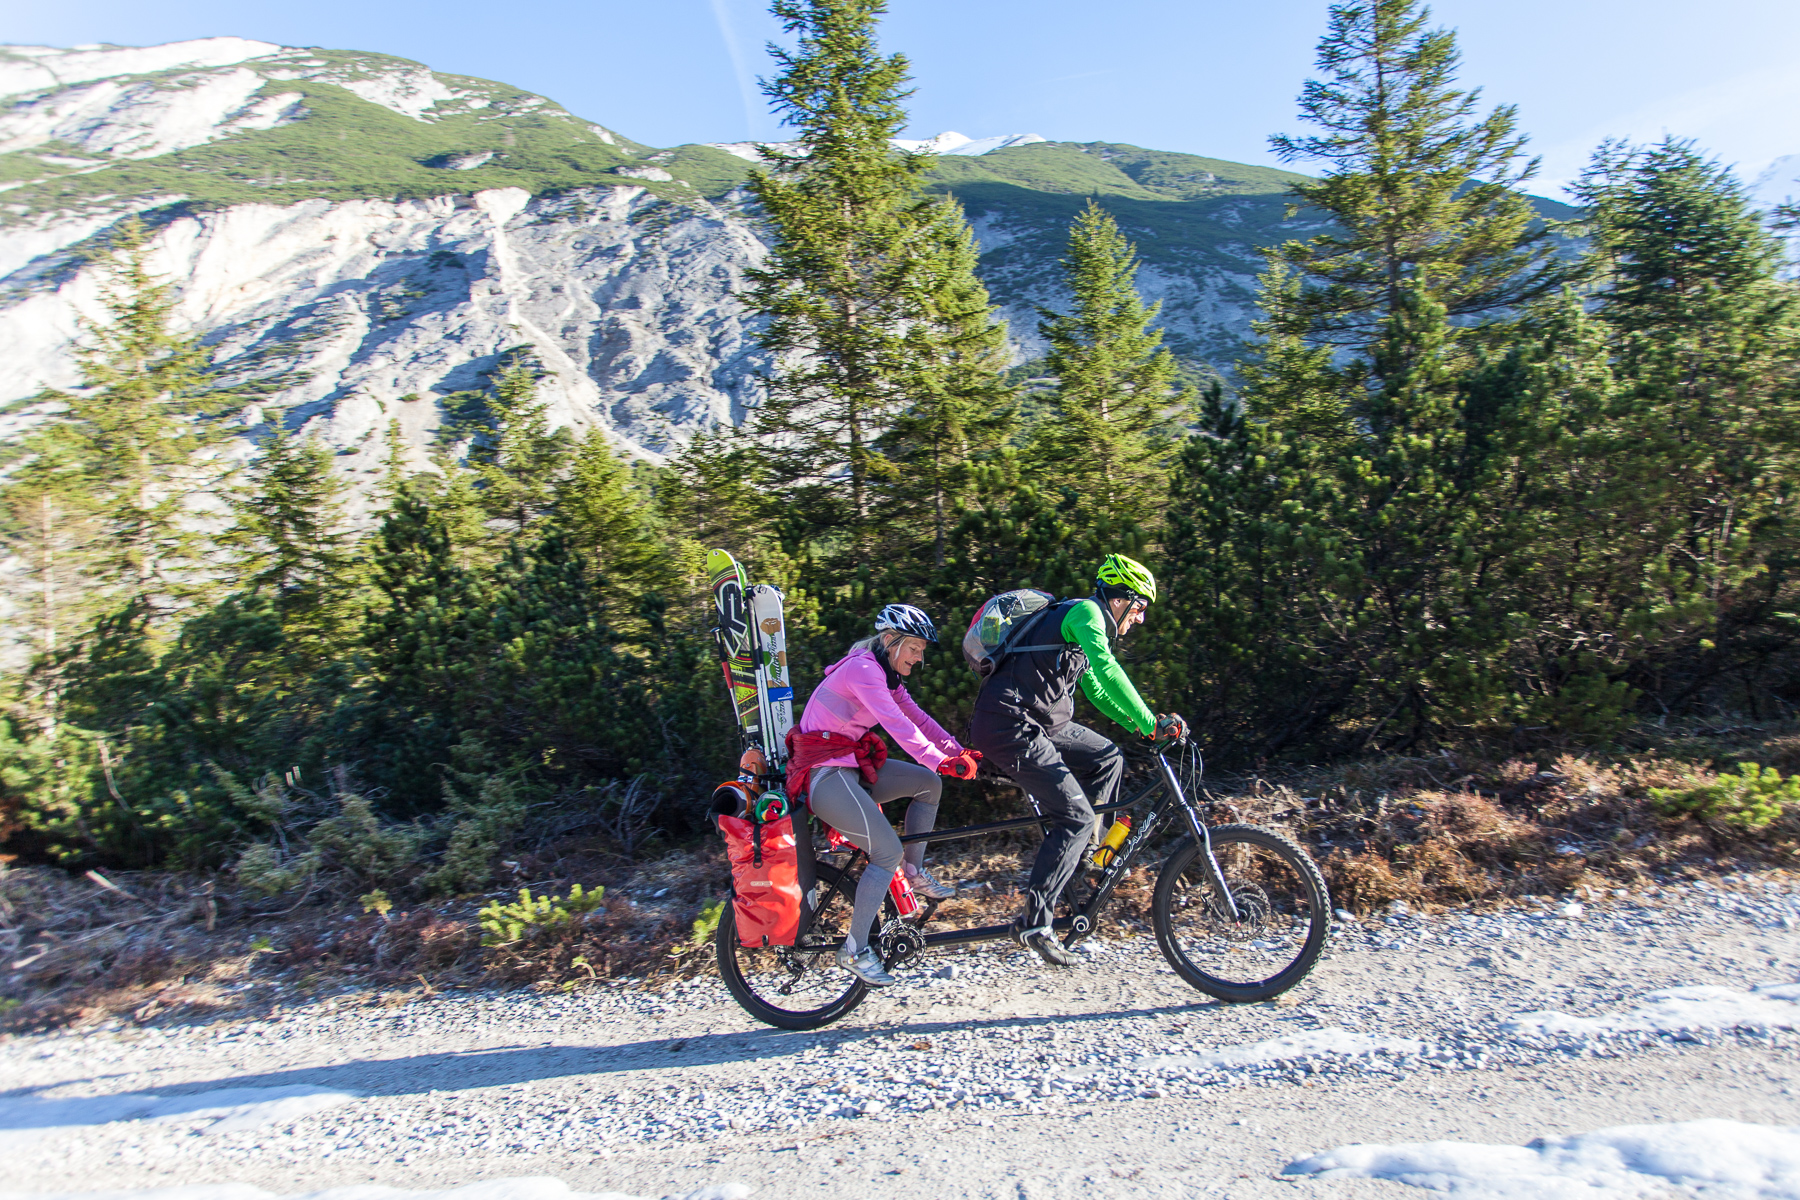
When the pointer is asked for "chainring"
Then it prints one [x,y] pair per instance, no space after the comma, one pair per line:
[901,944]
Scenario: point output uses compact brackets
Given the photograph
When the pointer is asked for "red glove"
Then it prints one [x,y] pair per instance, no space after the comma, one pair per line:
[1170,729]
[962,766]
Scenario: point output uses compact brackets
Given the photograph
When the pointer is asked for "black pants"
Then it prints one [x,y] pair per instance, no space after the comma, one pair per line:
[1066,771]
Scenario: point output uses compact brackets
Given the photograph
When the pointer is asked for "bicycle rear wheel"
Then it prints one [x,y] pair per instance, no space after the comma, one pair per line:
[796,987]
[1284,915]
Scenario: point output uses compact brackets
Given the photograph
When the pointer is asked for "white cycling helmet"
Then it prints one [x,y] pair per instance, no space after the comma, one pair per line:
[907,620]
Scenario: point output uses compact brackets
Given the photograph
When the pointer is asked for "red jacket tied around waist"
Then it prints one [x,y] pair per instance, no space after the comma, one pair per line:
[808,750]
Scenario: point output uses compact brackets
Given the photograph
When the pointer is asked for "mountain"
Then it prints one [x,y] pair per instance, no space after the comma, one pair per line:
[361,236]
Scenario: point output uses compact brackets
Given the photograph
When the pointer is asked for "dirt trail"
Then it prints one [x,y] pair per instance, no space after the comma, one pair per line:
[990,1079]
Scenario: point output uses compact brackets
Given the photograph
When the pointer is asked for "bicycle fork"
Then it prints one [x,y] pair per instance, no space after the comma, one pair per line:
[1214,873]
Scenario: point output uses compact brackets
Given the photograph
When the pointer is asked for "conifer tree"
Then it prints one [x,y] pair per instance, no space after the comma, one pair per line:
[1422,194]
[1346,530]
[1704,426]
[518,458]
[1115,384]
[127,449]
[962,407]
[845,277]
[290,525]
[610,522]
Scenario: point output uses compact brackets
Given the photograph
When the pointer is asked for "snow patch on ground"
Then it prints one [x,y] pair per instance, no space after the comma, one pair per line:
[27,1118]
[1313,1043]
[1714,1158]
[529,1188]
[1676,1010]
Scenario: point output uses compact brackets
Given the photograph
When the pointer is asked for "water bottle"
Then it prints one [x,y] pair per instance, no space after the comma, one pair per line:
[1115,837]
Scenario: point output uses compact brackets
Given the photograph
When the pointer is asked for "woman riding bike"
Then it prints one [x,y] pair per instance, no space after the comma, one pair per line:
[843,769]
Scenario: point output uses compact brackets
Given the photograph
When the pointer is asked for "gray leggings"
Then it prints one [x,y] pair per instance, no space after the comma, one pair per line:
[838,799]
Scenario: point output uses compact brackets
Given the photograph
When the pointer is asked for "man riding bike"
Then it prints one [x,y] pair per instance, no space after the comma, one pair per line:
[1024,723]
[842,767]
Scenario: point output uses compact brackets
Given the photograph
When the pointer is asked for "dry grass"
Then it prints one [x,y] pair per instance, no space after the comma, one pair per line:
[1459,829]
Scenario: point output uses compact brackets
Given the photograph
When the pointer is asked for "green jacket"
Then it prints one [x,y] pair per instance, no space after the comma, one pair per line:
[1105,682]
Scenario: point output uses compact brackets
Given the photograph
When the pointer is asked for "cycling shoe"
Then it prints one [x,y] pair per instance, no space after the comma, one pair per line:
[865,965]
[1042,939]
[924,883]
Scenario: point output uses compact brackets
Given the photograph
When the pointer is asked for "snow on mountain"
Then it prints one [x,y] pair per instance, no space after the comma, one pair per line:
[943,143]
[122,119]
[958,143]
[1779,183]
[29,68]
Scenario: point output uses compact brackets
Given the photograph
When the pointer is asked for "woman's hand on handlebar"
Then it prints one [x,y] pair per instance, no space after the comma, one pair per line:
[961,766]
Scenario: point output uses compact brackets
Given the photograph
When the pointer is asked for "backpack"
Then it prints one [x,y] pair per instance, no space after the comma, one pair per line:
[998,622]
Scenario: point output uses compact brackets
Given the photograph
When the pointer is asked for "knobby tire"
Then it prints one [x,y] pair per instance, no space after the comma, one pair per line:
[751,974]
[1284,915]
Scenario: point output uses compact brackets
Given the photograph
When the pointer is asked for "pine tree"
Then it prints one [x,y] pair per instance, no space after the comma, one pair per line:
[844,277]
[393,466]
[50,532]
[1703,430]
[610,521]
[1347,532]
[127,451]
[1423,197]
[290,525]
[962,408]
[1115,384]
[517,461]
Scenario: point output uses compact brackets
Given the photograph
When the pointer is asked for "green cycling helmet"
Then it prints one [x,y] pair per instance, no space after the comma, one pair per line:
[1127,575]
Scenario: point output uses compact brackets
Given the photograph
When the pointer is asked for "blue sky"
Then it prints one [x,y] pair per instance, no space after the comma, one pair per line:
[1203,76]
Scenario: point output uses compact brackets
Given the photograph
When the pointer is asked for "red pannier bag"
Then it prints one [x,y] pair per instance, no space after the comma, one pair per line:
[765,879]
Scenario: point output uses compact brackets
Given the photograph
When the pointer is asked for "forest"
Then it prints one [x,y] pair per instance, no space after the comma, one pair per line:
[1478,480]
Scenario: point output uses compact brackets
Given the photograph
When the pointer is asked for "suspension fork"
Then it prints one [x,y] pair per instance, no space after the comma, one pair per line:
[1201,835]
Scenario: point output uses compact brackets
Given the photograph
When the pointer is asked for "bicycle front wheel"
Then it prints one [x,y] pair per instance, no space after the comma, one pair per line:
[1283,914]
[796,987]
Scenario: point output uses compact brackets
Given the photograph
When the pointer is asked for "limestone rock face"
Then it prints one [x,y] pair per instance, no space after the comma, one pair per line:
[369,311]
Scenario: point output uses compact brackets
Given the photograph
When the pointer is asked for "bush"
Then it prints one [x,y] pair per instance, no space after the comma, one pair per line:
[1752,799]
[707,923]
[508,924]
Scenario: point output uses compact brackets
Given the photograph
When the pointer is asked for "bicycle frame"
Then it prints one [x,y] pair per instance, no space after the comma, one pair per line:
[1082,923]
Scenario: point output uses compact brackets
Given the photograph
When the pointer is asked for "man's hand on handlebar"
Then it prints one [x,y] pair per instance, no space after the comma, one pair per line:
[961,766]
[1170,729]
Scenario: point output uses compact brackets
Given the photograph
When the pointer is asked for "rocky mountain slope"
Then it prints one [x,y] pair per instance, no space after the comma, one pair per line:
[361,236]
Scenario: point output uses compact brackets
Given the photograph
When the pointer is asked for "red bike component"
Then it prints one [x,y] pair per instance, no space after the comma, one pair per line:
[904,901]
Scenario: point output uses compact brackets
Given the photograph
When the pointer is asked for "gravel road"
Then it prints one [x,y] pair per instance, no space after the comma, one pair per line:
[981,1075]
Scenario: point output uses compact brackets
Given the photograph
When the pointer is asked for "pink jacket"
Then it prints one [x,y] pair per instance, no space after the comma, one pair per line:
[854,696]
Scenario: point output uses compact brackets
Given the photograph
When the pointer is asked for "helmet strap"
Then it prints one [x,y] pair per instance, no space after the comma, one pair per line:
[1105,603]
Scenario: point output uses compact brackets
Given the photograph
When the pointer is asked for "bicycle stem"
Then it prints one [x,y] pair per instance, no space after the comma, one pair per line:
[1201,835]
